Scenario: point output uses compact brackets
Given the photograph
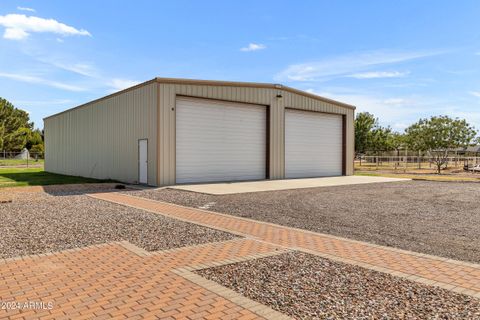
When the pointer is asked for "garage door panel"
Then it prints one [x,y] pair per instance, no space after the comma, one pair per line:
[313,144]
[219,141]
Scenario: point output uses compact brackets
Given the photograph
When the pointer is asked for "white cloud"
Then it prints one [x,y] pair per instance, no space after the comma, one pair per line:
[15,34]
[64,62]
[400,126]
[396,112]
[19,26]
[253,47]
[378,74]
[399,111]
[395,101]
[475,93]
[346,64]
[81,68]
[42,81]
[120,84]
[26,9]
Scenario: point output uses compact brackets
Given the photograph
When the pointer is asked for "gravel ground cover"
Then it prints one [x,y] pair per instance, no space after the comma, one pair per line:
[305,286]
[38,223]
[439,218]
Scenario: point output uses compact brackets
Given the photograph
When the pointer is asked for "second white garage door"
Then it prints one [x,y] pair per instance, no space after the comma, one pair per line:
[313,144]
[219,141]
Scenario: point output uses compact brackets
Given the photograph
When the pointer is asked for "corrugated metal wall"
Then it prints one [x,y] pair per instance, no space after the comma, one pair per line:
[100,139]
[264,96]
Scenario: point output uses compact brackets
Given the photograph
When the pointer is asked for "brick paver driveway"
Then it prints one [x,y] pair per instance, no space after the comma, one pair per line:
[123,281]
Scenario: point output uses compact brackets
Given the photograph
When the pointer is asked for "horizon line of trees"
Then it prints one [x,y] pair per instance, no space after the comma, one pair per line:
[435,136]
[16,130]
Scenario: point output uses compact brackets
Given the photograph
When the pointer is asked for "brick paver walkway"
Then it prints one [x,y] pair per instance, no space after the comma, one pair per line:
[112,281]
[120,280]
[454,275]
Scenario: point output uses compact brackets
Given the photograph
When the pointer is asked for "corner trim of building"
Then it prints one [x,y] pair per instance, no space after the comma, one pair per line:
[268,144]
[344,145]
[157,162]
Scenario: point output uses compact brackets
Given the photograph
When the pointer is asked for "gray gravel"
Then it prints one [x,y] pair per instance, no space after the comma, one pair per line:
[436,218]
[37,223]
[305,286]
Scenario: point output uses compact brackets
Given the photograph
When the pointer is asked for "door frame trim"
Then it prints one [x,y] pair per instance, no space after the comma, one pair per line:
[219,101]
[138,160]
[344,135]
[267,142]
[344,145]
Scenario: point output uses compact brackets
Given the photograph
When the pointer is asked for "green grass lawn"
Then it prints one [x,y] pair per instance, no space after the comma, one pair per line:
[18,177]
[20,162]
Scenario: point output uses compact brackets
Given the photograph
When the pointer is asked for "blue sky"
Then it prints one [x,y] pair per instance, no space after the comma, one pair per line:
[400,60]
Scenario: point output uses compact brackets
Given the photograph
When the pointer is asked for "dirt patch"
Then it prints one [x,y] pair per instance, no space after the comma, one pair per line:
[305,286]
[436,218]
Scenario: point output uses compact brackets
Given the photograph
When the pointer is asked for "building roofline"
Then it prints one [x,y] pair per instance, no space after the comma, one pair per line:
[103,98]
[211,83]
[253,85]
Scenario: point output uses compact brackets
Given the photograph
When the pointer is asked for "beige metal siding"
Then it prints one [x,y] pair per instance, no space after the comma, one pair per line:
[248,94]
[100,139]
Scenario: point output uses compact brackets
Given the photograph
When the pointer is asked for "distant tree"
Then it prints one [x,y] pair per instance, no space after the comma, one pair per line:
[15,127]
[438,135]
[476,141]
[364,124]
[380,139]
[369,135]
[396,141]
[37,151]
[35,142]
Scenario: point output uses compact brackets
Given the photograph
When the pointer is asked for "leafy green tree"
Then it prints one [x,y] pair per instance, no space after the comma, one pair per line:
[15,127]
[369,135]
[35,138]
[37,151]
[35,143]
[476,141]
[380,139]
[438,135]
[396,141]
[364,124]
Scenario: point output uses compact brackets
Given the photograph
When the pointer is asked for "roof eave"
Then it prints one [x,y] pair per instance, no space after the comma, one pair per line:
[253,85]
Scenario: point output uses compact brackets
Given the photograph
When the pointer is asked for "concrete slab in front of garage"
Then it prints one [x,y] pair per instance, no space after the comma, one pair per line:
[274,185]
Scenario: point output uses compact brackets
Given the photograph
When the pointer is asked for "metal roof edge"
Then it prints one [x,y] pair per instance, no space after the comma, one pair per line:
[211,83]
[253,85]
[102,98]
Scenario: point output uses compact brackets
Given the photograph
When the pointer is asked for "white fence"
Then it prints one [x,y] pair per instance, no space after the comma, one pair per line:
[409,162]
[21,159]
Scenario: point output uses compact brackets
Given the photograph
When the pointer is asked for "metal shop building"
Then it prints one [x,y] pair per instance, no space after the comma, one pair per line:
[169,131]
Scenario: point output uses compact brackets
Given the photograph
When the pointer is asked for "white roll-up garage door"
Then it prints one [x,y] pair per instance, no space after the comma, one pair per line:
[219,141]
[313,144]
